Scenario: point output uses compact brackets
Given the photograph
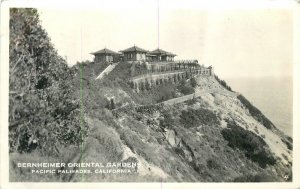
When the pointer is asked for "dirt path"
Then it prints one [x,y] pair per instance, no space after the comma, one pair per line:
[186,97]
[197,94]
[107,70]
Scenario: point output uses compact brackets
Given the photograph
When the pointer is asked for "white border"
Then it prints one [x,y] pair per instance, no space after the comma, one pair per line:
[115,4]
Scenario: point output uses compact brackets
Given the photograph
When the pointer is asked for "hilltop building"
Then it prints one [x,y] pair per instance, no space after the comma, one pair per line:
[106,55]
[158,67]
[134,54]
[161,55]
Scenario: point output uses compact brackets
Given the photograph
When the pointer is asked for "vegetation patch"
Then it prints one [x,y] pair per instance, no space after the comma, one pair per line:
[161,93]
[193,82]
[223,83]
[262,177]
[256,113]
[91,69]
[138,69]
[121,71]
[288,144]
[43,112]
[213,164]
[195,117]
[185,88]
[252,145]
[109,145]
[168,120]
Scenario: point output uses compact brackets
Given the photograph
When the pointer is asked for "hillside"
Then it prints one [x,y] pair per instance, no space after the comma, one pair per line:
[197,140]
[207,134]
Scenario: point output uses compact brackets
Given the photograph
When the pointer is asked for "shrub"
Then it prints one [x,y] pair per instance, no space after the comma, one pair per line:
[187,75]
[261,177]
[138,69]
[184,89]
[288,144]
[252,145]
[183,82]
[193,118]
[223,83]
[191,101]
[164,92]
[147,85]
[212,164]
[256,113]
[193,82]
[168,121]
[157,82]
[142,86]
[131,83]
[175,79]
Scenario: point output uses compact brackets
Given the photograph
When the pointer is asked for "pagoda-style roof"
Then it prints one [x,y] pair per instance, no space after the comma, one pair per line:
[105,51]
[135,49]
[161,52]
[171,54]
[149,54]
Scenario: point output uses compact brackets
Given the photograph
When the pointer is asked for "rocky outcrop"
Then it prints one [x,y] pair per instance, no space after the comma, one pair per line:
[171,137]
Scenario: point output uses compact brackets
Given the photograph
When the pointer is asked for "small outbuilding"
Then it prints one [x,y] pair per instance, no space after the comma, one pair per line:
[162,55]
[106,55]
[134,53]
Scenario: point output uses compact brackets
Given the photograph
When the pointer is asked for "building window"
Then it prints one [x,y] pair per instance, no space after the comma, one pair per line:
[129,55]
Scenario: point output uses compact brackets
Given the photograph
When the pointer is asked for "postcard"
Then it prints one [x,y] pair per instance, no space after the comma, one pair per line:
[149,94]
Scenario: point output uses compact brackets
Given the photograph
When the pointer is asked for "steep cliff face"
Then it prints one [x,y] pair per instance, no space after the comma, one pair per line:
[211,138]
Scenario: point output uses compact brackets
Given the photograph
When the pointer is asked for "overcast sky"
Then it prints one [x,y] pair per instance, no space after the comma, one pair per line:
[239,41]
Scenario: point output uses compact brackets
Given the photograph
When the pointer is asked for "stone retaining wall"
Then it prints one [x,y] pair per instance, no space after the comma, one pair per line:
[146,81]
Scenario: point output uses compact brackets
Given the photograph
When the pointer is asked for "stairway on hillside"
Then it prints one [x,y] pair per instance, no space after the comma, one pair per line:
[107,70]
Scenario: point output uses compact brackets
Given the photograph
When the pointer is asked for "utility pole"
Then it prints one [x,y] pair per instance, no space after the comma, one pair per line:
[158,23]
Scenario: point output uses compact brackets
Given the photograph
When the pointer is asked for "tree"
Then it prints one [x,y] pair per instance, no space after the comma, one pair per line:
[178,77]
[42,104]
[175,79]
[131,83]
[157,82]
[223,83]
[186,75]
[193,82]
[112,104]
[142,86]
[183,82]
[147,85]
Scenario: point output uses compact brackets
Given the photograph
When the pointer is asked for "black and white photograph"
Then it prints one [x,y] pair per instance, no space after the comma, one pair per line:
[149,91]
